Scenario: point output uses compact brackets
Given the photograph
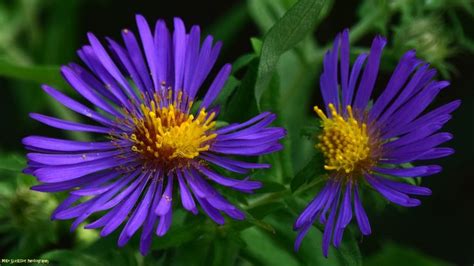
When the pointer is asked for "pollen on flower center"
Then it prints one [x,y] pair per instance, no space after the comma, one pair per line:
[344,142]
[168,136]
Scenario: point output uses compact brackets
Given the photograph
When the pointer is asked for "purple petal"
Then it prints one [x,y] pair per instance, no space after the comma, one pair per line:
[165,203]
[186,197]
[370,74]
[410,172]
[216,86]
[389,193]
[66,159]
[164,223]
[68,125]
[229,182]
[360,214]
[66,145]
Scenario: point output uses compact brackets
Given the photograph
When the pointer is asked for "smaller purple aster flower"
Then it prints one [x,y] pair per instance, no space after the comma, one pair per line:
[155,148]
[368,145]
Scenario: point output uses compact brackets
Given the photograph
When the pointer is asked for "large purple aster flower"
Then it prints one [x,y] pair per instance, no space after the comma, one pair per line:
[142,95]
[371,144]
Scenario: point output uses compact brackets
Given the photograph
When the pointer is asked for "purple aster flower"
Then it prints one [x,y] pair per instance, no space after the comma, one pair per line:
[365,144]
[142,93]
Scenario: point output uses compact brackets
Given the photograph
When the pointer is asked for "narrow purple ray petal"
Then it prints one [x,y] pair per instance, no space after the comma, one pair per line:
[88,55]
[76,106]
[165,203]
[148,226]
[162,42]
[74,158]
[436,153]
[67,172]
[216,86]
[430,117]
[229,182]
[212,212]
[412,137]
[344,216]
[149,48]
[124,209]
[125,60]
[389,193]
[344,65]
[179,41]
[328,230]
[164,223]
[68,125]
[361,216]
[306,217]
[137,59]
[108,64]
[87,92]
[66,145]
[370,74]
[301,234]
[199,73]
[410,172]
[141,212]
[422,145]
[186,197]
[93,83]
[399,77]
[348,94]
[405,188]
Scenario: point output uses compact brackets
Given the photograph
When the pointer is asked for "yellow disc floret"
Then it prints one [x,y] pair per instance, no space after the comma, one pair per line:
[344,142]
[170,137]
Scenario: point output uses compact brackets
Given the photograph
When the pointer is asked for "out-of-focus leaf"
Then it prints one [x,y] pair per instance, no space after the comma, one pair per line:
[242,61]
[393,255]
[256,45]
[225,250]
[241,105]
[227,91]
[226,27]
[266,12]
[72,258]
[38,74]
[262,248]
[11,162]
[311,248]
[349,253]
[284,35]
[177,236]
[314,169]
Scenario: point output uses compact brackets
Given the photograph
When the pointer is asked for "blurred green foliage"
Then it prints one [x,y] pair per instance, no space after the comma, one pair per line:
[278,73]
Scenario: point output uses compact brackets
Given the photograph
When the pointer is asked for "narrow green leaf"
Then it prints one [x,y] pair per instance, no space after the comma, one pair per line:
[38,74]
[284,35]
[311,171]
[394,254]
[241,105]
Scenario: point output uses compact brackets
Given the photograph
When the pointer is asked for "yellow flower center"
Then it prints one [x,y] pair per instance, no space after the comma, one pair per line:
[169,137]
[344,142]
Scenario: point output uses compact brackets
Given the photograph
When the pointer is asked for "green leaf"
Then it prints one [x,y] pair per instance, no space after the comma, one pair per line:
[11,162]
[349,253]
[394,254]
[262,248]
[312,170]
[227,26]
[72,258]
[242,105]
[38,74]
[284,35]
[179,235]
[242,61]
[231,84]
